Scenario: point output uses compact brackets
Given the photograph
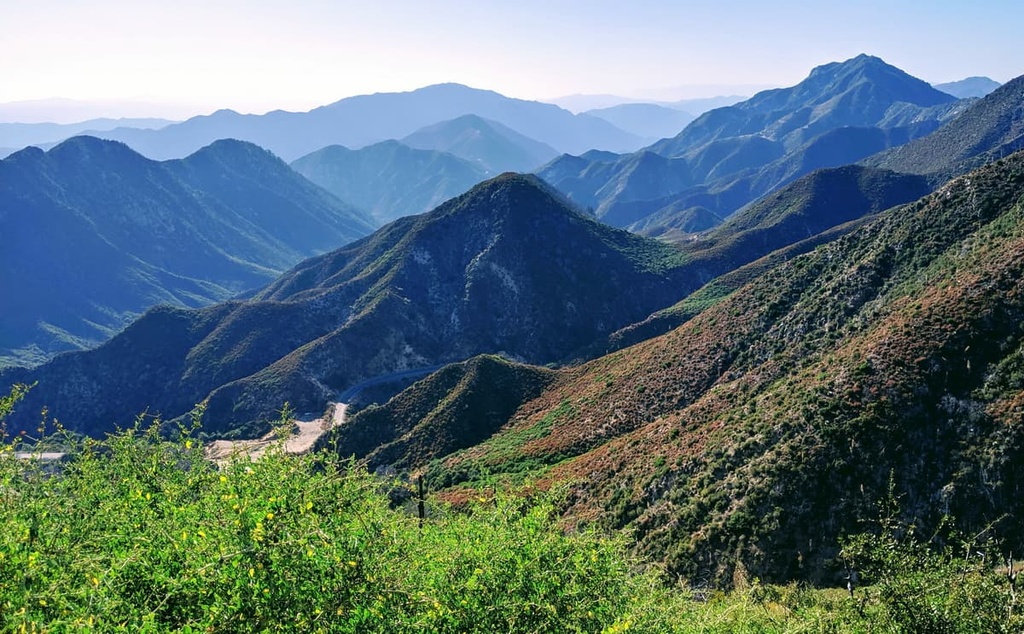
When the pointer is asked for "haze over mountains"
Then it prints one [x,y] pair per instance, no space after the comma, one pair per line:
[729,156]
[488,144]
[18,135]
[646,120]
[968,88]
[358,121]
[725,96]
[96,233]
[834,308]
[390,179]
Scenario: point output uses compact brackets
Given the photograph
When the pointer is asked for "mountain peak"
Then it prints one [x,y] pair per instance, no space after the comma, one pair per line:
[483,142]
[29,153]
[901,86]
[472,119]
[231,147]
[858,92]
[234,152]
[860,61]
[454,88]
[80,148]
[969,87]
[508,192]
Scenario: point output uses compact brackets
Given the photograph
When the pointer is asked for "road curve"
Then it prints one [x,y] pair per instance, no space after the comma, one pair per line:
[307,428]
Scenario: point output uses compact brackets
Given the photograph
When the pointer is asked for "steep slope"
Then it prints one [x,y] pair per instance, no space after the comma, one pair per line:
[803,215]
[645,120]
[988,129]
[861,92]
[366,119]
[489,145]
[454,408]
[724,195]
[971,87]
[506,268]
[728,157]
[389,179]
[94,234]
[747,441]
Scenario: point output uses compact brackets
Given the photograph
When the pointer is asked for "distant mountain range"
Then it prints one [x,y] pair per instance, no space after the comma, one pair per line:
[390,179]
[694,105]
[506,268]
[969,88]
[94,234]
[645,120]
[45,135]
[72,111]
[730,156]
[489,145]
[363,120]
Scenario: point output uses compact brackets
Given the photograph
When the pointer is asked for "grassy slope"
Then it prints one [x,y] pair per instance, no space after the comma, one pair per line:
[765,427]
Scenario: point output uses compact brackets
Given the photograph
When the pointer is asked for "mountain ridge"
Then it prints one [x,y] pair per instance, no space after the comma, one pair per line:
[989,128]
[389,179]
[367,119]
[728,157]
[188,232]
[505,268]
[751,438]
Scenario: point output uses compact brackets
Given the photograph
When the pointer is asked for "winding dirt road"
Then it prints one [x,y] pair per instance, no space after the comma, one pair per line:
[307,429]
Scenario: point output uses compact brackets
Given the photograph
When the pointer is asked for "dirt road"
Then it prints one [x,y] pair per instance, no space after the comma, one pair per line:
[307,429]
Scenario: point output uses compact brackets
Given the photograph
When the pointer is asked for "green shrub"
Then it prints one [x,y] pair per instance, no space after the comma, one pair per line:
[947,583]
[140,533]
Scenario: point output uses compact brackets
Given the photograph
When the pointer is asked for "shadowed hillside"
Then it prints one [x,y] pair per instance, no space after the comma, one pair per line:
[990,128]
[506,268]
[94,234]
[454,408]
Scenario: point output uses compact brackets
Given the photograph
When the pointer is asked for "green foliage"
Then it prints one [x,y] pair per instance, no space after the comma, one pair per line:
[948,583]
[140,533]
[8,402]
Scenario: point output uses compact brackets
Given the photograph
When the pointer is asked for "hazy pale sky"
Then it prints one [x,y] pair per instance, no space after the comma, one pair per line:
[256,55]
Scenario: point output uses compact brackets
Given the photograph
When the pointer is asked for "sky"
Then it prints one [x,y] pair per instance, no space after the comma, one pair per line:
[193,56]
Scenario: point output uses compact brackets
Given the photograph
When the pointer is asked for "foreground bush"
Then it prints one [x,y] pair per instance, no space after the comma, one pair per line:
[137,533]
[140,534]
